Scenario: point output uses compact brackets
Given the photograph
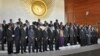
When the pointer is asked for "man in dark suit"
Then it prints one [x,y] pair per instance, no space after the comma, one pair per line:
[50,37]
[56,24]
[23,40]
[76,34]
[94,39]
[66,34]
[4,27]
[83,38]
[72,35]
[0,33]
[9,40]
[35,35]
[17,37]
[56,38]
[89,35]
[45,38]
[38,37]
[86,34]
[27,24]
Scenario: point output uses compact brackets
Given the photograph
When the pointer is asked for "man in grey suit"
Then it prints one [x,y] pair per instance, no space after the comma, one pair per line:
[89,35]
[72,35]
[31,39]
[66,34]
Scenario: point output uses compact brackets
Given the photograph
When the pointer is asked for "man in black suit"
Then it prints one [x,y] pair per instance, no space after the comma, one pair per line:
[27,25]
[94,39]
[83,37]
[35,35]
[50,37]
[23,40]
[45,38]
[76,34]
[0,33]
[9,40]
[4,27]
[56,24]
[56,38]
[38,37]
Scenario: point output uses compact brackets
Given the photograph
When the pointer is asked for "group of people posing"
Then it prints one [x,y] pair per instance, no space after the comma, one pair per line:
[41,37]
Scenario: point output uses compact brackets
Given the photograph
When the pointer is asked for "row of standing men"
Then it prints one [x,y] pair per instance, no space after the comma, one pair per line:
[40,36]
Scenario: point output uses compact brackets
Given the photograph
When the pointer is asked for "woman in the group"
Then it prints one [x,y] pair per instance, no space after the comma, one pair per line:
[40,38]
[61,39]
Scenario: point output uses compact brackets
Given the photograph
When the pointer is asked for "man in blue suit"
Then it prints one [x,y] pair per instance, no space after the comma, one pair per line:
[31,39]
[17,38]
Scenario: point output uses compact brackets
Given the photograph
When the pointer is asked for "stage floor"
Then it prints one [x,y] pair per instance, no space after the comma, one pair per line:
[64,51]
[88,53]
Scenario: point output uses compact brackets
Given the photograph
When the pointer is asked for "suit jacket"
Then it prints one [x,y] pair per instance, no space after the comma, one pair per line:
[56,34]
[45,35]
[17,33]
[9,35]
[50,34]
[76,31]
[0,35]
[23,35]
[66,32]
[27,29]
[72,32]
[12,26]
[94,34]
[56,25]
[89,33]
[20,23]
[31,34]
[82,34]
[38,34]
[4,27]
